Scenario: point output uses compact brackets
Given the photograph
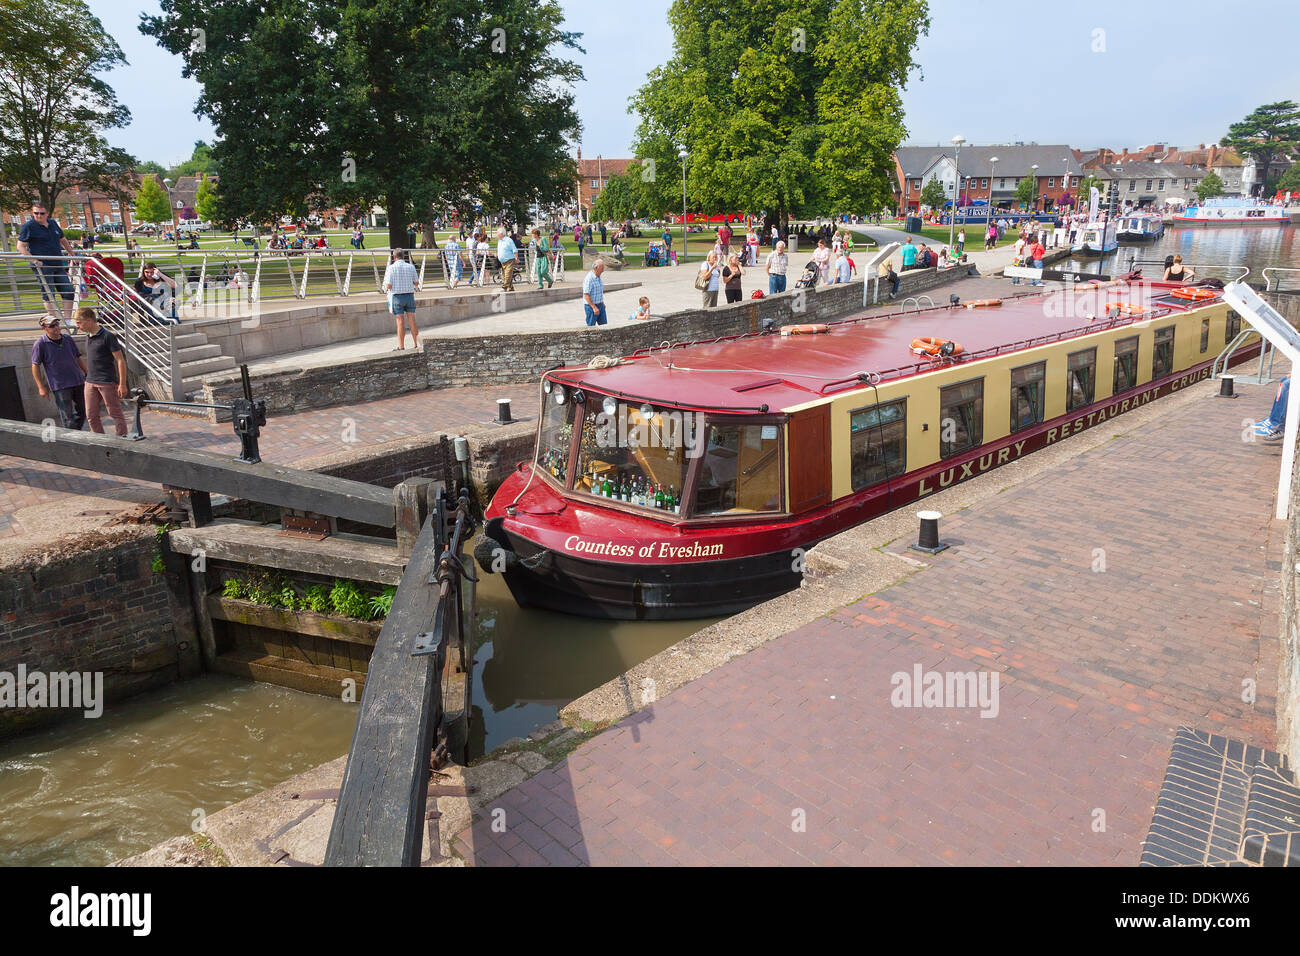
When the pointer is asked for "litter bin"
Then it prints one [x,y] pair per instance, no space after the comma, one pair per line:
[913,224]
[792,243]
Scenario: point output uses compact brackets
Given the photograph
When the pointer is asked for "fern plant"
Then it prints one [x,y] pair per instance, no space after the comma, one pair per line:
[232,588]
[349,600]
[317,599]
[382,602]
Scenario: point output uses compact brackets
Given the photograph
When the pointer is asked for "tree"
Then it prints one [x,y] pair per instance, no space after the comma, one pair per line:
[618,198]
[788,106]
[1209,187]
[1025,192]
[933,194]
[1289,181]
[200,161]
[149,167]
[205,200]
[53,107]
[415,104]
[151,203]
[1270,131]
[1083,195]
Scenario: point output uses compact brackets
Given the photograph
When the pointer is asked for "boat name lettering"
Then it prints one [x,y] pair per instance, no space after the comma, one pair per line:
[575,543]
[656,549]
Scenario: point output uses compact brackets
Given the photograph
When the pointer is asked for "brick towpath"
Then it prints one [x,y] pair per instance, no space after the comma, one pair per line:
[1096,671]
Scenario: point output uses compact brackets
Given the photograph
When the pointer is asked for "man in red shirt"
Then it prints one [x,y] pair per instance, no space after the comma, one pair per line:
[724,238]
[1036,253]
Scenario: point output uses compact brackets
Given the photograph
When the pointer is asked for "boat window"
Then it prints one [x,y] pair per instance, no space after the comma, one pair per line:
[741,470]
[878,443]
[1233,327]
[1162,359]
[1027,395]
[1126,354]
[1083,379]
[557,435]
[1205,334]
[638,454]
[961,417]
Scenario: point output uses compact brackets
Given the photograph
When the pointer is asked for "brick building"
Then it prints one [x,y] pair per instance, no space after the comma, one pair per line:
[1057,174]
[593,174]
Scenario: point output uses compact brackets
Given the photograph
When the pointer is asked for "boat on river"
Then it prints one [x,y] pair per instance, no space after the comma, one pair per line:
[1097,238]
[1141,227]
[689,480]
[1233,211]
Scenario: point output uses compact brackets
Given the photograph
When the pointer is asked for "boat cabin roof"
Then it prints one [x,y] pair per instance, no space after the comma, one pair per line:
[745,373]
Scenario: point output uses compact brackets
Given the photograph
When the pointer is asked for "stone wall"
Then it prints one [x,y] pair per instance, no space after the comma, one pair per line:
[98,606]
[510,359]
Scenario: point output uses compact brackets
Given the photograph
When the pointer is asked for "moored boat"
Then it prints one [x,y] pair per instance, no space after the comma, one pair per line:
[689,480]
[1233,211]
[1141,227]
[1096,239]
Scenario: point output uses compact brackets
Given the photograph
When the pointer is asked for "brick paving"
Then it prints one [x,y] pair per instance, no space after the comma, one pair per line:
[285,440]
[1096,672]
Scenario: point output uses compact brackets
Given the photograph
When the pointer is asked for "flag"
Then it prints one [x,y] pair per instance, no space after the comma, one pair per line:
[1094,200]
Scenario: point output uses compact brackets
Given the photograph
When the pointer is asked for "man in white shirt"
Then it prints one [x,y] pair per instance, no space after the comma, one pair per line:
[451,260]
[400,282]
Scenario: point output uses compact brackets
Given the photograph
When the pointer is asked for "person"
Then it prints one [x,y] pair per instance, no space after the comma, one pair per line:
[924,258]
[1019,257]
[105,368]
[358,237]
[751,246]
[708,278]
[1036,253]
[667,237]
[1177,272]
[776,266]
[822,256]
[602,233]
[451,260]
[580,238]
[776,237]
[542,260]
[643,310]
[908,255]
[239,278]
[732,273]
[892,276]
[593,295]
[724,238]
[400,282]
[41,236]
[58,368]
[811,272]
[506,252]
[158,290]
[843,268]
[1272,427]
[961,242]
[990,237]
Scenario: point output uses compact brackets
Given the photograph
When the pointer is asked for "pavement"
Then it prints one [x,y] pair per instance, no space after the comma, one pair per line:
[1117,595]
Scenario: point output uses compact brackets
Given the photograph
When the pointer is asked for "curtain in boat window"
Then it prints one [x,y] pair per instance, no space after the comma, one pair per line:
[1125,364]
[878,443]
[1083,379]
[1162,359]
[961,413]
[1027,395]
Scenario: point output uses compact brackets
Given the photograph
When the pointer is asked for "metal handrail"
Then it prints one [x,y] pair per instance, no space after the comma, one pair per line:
[1268,279]
[1194,266]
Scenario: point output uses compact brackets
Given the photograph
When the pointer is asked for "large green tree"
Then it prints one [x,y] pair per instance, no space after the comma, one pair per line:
[1025,191]
[200,161]
[787,106]
[618,198]
[1209,187]
[151,204]
[54,107]
[1267,134]
[414,104]
[205,201]
[933,194]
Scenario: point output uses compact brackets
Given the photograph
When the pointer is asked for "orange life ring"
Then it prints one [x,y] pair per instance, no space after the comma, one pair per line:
[981,303]
[1129,308]
[1195,295]
[804,329]
[929,345]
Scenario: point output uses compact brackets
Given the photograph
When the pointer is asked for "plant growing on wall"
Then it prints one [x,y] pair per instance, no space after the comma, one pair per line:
[349,600]
[382,602]
[318,599]
[232,588]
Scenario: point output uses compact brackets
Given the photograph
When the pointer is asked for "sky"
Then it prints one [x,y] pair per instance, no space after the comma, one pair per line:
[1117,74]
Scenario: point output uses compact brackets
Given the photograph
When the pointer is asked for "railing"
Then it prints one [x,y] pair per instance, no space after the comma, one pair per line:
[147,334]
[1271,276]
[258,274]
[1227,271]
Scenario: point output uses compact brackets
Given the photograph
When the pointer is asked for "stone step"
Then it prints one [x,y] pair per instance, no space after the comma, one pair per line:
[207,366]
[1271,833]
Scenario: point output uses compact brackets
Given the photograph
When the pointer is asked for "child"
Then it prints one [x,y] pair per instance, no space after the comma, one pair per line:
[644,311]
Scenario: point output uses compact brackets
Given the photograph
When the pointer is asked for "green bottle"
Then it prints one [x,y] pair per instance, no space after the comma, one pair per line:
[605,488]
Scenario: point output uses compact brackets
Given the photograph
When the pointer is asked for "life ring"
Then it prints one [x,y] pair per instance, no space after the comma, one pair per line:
[804,329]
[981,303]
[929,345]
[1128,308]
[1194,295]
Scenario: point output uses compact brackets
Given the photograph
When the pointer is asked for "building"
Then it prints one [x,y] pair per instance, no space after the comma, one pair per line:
[1150,183]
[593,174]
[1055,169]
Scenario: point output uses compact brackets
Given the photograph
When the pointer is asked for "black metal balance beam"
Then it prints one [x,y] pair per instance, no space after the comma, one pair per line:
[201,471]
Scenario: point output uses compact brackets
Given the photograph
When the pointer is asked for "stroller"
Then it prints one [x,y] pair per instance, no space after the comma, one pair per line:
[809,277]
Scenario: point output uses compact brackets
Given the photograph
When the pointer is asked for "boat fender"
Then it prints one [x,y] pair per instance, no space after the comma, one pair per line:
[804,329]
[494,558]
[928,345]
[1129,308]
[982,303]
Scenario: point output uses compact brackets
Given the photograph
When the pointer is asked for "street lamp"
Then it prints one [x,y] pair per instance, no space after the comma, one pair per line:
[167,183]
[682,154]
[993,168]
[956,189]
[1033,176]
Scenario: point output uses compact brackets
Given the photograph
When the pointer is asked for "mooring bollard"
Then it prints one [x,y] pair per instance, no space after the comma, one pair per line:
[503,411]
[1225,386]
[929,538]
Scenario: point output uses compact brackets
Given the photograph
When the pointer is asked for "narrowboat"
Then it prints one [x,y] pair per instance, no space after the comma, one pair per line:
[1096,239]
[1233,211]
[1141,227]
[689,480]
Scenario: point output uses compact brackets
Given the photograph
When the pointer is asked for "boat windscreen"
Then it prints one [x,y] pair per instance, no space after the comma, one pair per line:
[556,436]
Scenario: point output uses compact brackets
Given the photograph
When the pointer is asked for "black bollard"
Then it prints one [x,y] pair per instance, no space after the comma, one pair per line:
[503,411]
[137,432]
[1225,387]
[929,538]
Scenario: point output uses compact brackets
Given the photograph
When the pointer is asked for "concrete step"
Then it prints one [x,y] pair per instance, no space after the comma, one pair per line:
[207,366]
[195,352]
